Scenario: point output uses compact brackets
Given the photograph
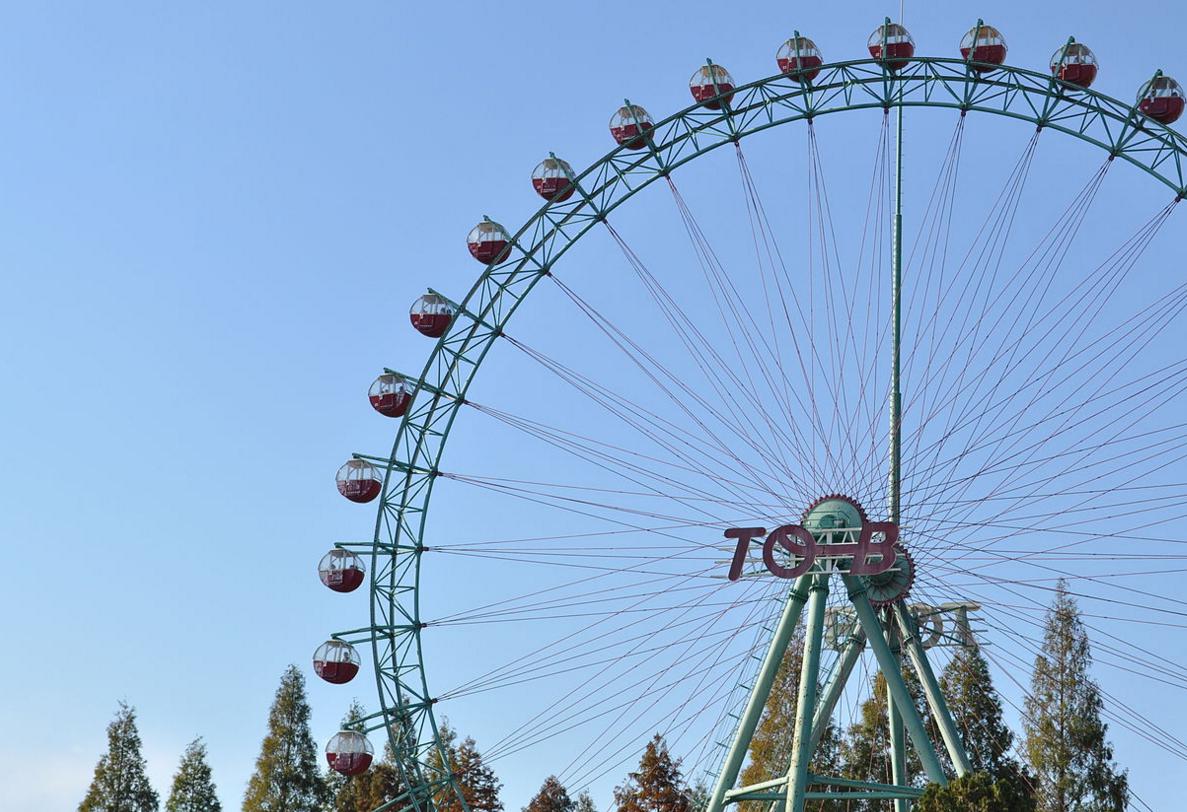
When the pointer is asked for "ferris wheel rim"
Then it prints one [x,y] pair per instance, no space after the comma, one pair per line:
[473,330]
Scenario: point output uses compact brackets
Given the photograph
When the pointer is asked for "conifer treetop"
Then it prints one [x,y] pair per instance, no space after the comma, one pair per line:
[120,783]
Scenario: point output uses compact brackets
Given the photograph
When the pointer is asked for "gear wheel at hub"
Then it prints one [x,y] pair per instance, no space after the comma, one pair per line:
[895,584]
[834,512]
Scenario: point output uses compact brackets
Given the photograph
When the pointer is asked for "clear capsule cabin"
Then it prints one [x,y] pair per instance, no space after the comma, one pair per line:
[1161,99]
[341,570]
[349,753]
[359,481]
[1075,64]
[336,662]
[488,242]
[551,180]
[390,394]
[984,47]
[891,43]
[800,59]
[628,125]
[712,86]
[431,315]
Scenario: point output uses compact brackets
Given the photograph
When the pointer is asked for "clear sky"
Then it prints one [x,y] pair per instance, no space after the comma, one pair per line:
[213,218]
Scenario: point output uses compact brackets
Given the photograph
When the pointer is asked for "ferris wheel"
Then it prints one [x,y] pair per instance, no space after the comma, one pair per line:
[884,421]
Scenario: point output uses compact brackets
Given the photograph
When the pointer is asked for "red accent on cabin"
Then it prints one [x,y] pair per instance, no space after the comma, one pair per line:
[1077,74]
[628,135]
[391,404]
[359,490]
[335,673]
[488,251]
[349,763]
[1163,109]
[708,94]
[898,54]
[993,54]
[808,66]
[432,325]
[556,190]
[347,579]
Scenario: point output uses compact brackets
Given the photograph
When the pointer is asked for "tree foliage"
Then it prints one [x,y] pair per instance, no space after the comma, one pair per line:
[120,783]
[193,788]
[1066,743]
[287,778]
[657,786]
[975,792]
[477,782]
[585,803]
[552,797]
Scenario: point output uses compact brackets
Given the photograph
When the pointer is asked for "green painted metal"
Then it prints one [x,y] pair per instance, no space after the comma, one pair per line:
[835,685]
[909,631]
[896,689]
[895,725]
[792,609]
[797,771]
[399,539]
[894,718]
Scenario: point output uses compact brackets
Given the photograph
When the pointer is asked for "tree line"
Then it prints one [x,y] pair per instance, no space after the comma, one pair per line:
[1063,762]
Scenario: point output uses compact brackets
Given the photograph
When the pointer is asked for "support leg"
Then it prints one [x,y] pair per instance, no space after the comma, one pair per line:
[931,689]
[894,718]
[831,694]
[759,693]
[895,686]
[797,772]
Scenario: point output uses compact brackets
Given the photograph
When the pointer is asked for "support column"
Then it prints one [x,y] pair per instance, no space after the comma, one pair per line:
[894,718]
[835,686]
[797,772]
[931,689]
[736,754]
[896,688]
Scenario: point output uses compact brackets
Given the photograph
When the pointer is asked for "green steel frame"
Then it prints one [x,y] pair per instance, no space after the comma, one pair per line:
[396,550]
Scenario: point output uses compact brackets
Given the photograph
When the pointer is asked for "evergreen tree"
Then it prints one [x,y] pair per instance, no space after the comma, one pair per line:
[474,778]
[1069,755]
[120,783]
[368,790]
[698,796]
[977,711]
[975,792]
[865,752]
[287,778]
[552,797]
[585,802]
[656,786]
[193,790]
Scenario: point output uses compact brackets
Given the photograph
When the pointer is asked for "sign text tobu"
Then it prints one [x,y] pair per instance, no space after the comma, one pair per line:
[872,552]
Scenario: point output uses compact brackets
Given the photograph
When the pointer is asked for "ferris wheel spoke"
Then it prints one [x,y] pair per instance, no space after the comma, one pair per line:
[735,319]
[582,701]
[1040,381]
[1144,726]
[644,470]
[705,667]
[682,443]
[1080,464]
[1129,659]
[1069,417]
[1029,289]
[701,349]
[982,260]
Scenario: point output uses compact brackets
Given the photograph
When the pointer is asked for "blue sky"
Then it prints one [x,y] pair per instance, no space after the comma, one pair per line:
[214,219]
